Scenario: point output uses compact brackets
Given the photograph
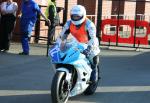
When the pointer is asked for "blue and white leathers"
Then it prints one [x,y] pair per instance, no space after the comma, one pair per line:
[72,55]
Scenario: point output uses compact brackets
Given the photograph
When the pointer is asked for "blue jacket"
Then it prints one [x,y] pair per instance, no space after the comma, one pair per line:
[29,11]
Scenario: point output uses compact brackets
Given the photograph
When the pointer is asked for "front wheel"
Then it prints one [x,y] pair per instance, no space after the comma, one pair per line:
[59,88]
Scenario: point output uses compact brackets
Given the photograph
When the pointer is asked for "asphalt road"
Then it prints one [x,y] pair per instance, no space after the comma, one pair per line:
[27,79]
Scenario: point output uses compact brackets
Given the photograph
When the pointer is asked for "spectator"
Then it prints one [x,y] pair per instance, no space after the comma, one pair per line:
[54,18]
[8,17]
[30,10]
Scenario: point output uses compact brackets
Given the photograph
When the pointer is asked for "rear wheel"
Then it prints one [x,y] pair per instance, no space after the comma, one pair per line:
[59,88]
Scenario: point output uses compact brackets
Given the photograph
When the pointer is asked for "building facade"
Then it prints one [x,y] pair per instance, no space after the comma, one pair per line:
[140,9]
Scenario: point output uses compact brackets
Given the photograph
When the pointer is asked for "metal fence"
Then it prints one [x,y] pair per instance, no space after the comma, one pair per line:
[125,23]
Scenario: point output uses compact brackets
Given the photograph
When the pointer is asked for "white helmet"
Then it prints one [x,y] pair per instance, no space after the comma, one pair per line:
[78,14]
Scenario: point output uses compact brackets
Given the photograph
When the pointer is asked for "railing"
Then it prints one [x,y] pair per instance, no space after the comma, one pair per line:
[128,17]
[93,18]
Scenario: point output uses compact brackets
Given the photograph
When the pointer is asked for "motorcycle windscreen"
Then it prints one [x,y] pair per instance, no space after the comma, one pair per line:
[54,54]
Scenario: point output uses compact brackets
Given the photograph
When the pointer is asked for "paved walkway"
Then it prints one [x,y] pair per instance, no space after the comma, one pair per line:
[35,49]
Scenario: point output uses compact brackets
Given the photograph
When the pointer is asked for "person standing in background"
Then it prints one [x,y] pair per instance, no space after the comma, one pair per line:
[8,17]
[29,10]
[53,17]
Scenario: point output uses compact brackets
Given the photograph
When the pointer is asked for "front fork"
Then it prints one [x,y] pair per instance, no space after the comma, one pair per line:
[67,83]
[68,75]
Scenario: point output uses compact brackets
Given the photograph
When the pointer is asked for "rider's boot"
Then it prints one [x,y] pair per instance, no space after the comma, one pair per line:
[94,74]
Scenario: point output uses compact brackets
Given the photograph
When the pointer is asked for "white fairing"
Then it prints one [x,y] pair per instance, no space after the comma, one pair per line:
[81,67]
[68,75]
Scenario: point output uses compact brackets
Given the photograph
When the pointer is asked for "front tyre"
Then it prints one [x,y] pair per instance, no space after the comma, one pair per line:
[59,88]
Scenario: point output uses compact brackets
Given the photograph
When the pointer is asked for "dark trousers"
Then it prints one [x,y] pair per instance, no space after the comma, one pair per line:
[51,33]
[95,68]
[7,25]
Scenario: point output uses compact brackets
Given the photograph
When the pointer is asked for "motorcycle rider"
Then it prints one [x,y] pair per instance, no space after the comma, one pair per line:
[84,31]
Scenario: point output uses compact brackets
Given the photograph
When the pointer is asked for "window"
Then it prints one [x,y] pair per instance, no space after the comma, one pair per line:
[124,31]
[141,31]
[110,29]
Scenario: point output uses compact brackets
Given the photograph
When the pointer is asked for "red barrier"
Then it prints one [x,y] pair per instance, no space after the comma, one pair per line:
[143,40]
[130,23]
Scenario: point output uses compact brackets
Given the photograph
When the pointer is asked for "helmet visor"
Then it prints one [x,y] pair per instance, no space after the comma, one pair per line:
[76,17]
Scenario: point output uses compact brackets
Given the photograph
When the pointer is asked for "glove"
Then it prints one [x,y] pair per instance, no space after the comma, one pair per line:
[87,51]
